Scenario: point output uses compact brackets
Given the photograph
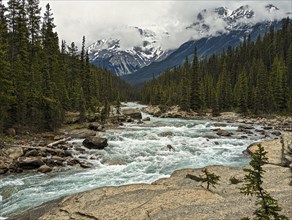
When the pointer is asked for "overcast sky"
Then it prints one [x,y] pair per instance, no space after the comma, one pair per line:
[99,19]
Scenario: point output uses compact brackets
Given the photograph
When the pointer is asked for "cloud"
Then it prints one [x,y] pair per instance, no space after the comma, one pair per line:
[108,19]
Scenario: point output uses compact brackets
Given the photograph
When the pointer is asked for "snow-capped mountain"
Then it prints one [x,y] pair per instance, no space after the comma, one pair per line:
[215,30]
[207,21]
[122,59]
[211,31]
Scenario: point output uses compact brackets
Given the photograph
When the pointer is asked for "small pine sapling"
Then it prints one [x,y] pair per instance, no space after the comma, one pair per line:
[210,178]
[268,207]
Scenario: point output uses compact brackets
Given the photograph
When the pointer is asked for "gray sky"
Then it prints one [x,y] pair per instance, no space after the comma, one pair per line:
[101,19]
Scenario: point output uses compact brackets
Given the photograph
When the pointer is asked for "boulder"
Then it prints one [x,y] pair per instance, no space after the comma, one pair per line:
[95,142]
[219,125]
[45,169]
[133,113]
[14,152]
[96,127]
[85,164]
[81,133]
[29,162]
[166,134]
[273,148]
[224,133]
[245,127]
[146,119]
[276,133]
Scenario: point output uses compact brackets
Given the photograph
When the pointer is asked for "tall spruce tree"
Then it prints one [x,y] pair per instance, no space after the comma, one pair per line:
[6,87]
[195,98]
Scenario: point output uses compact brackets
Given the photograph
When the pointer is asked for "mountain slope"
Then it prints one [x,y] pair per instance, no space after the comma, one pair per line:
[113,55]
[205,47]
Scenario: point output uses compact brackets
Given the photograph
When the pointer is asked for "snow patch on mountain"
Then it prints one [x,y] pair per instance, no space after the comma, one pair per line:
[111,53]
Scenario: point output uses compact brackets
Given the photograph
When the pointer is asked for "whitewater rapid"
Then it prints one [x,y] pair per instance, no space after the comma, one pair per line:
[137,153]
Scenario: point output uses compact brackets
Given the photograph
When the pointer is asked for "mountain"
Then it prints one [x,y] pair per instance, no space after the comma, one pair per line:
[235,25]
[122,59]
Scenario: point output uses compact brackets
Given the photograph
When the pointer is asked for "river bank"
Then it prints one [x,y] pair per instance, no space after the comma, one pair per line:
[275,122]
[178,197]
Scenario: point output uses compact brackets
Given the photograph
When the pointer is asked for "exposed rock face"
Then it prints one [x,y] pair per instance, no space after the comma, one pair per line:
[95,143]
[133,113]
[176,197]
[273,148]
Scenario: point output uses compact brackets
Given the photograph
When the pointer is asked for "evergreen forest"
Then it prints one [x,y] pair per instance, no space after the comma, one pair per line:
[39,79]
[253,78]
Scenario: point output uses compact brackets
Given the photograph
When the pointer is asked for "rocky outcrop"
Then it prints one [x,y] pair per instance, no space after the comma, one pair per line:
[133,113]
[177,197]
[96,142]
[279,151]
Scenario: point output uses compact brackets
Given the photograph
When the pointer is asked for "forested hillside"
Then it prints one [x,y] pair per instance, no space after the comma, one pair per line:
[39,80]
[253,78]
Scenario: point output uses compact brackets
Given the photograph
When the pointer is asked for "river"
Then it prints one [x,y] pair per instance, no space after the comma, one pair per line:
[137,153]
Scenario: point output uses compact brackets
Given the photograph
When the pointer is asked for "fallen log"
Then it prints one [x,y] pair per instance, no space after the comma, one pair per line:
[62,141]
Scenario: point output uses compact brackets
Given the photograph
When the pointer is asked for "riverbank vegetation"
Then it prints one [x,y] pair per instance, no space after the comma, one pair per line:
[41,80]
[253,78]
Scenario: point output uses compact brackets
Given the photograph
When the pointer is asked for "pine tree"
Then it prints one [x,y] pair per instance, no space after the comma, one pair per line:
[243,92]
[195,99]
[210,178]
[185,85]
[268,207]
[6,87]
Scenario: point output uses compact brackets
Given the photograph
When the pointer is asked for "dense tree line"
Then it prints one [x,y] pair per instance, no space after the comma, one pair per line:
[40,80]
[253,78]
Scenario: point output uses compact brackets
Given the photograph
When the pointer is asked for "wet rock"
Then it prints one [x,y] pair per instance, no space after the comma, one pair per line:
[95,143]
[216,142]
[268,128]
[219,125]
[146,119]
[85,164]
[68,153]
[140,122]
[170,148]
[166,134]
[72,162]
[81,133]
[129,120]
[277,133]
[133,113]
[224,133]
[45,169]
[245,127]
[29,162]
[96,127]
